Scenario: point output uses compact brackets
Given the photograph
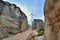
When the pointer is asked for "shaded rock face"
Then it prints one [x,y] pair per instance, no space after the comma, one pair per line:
[9,20]
[0,0]
[37,24]
[52,20]
[24,25]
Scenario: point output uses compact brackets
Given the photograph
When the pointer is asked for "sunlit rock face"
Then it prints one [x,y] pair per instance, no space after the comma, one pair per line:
[37,24]
[24,25]
[52,20]
[10,23]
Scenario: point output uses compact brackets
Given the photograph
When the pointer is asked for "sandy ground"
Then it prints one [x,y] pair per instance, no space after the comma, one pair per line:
[39,38]
[23,36]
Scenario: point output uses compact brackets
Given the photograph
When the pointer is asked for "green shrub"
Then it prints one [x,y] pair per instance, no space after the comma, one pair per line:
[40,32]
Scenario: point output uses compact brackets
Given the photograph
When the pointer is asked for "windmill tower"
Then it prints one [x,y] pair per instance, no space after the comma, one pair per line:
[32,17]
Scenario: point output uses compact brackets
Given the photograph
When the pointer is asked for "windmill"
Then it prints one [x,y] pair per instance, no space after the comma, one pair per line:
[32,17]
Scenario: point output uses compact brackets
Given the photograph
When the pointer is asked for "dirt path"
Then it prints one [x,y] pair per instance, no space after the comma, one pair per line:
[39,38]
[23,36]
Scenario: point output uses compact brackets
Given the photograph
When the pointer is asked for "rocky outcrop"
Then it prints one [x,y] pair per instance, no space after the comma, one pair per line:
[37,24]
[23,22]
[52,20]
[11,20]
[24,25]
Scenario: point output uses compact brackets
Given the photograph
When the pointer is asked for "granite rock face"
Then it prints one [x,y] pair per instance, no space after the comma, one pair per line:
[37,24]
[10,19]
[52,20]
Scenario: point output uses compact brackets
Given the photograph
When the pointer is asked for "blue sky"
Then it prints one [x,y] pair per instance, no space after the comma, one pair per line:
[30,6]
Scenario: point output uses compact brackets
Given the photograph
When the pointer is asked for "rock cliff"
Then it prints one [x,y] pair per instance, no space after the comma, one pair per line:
[37,24]
[52,20]
[11,19]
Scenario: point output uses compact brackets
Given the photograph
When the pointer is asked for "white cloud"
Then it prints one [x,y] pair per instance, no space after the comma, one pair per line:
[25,10]
[5,0]
[40,18]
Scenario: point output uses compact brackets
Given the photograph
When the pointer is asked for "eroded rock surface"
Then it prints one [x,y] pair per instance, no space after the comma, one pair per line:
[11,19]
[37,24]
[52,20]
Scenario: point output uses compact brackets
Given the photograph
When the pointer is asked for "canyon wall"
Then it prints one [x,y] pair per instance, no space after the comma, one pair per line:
[11,20]
[52,20]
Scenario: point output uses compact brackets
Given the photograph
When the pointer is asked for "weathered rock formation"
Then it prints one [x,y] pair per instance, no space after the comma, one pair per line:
[52,20]
[37,24]
[11,20]
[23,21]
[24,26]
[22,18]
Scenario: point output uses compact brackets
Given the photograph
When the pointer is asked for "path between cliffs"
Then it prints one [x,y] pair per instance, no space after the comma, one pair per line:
[24,36]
